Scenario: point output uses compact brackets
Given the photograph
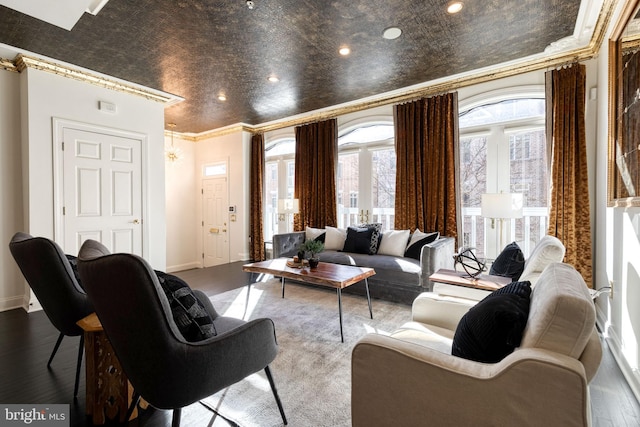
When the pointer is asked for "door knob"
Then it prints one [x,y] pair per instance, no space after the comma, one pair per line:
[224,230]
[136,221]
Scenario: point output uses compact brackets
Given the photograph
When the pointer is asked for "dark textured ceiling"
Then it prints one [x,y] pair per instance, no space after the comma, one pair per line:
[197,49]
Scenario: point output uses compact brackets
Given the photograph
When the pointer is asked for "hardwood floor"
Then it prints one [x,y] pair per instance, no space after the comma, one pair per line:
[26,341]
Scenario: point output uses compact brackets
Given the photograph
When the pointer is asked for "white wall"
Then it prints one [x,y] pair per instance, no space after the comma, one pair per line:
[182,216]
[46,96]
[29,103]
[12,285]
[234,148]
[617,242]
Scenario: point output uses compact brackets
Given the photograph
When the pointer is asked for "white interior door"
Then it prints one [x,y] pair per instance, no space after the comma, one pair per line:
[215,203]
[102,190]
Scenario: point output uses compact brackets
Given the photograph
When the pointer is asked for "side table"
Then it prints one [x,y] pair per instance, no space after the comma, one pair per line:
[108,390]
[459,284]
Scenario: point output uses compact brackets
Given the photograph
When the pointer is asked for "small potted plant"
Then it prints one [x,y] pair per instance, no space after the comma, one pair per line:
[313,247]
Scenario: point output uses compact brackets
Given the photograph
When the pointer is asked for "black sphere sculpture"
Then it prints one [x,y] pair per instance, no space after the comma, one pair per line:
[470,263]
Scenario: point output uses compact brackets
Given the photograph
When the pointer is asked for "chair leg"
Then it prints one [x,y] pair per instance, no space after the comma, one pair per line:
[135,399]
[275,394]
[79,365]
[176,417]
[55,349]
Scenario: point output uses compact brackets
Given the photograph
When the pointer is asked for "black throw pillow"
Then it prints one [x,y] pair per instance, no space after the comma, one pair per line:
[376,233]
[510,262]
[73,261]
[415,250]
[493,328]
[358,240]
[190,315]
[321,237]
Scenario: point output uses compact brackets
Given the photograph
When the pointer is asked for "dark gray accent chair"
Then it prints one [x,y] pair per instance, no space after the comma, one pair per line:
[164,369]
[47,270]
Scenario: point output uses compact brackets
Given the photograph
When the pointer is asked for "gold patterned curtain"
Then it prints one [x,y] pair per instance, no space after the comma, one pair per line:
[426,137]
[315,174]
[256,231]
[569,214]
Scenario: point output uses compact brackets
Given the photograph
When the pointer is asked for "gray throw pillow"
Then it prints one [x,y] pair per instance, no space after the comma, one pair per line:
[190,315]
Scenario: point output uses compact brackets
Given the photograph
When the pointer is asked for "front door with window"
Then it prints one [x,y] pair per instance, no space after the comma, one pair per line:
[215,203]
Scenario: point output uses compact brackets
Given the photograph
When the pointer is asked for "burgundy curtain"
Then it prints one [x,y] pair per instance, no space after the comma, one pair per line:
[569,213]
[426,143]
[315,174]
[256,231]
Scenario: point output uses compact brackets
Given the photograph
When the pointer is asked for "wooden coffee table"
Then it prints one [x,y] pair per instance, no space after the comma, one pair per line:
[335,276]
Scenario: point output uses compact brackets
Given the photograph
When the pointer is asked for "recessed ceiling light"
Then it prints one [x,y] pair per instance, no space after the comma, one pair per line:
[391,33]
[273,79]
[222,97]
[454,7]
[344,51]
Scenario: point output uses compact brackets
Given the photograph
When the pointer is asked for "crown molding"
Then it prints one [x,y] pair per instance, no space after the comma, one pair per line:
[7,65]
[23,62]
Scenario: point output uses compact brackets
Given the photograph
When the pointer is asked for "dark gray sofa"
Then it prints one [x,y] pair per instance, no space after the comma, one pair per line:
[398,279]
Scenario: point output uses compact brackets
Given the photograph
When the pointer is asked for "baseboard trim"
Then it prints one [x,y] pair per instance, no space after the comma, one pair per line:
[182,267]
[12,303]
[615,345]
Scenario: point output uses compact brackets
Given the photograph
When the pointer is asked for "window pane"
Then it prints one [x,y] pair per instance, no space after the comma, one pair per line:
[215,170]
[383,182]
[364,135]
[280,148]
[503,111]
[347,185]
[528,155]
[291,171]
[473,174]
[271,199]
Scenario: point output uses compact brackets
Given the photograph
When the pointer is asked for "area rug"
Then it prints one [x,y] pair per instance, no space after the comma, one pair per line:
[313,368]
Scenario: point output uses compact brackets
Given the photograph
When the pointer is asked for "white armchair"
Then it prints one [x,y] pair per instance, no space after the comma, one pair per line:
[411,379]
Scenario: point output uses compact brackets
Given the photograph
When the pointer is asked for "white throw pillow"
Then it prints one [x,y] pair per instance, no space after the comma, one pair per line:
[312,233]
[394,242]
[334,239]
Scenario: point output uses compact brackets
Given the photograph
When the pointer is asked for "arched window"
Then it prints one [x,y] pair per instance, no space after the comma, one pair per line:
[503,150]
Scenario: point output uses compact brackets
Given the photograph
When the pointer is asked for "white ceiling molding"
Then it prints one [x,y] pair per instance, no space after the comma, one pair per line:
[65,14]
[586,22]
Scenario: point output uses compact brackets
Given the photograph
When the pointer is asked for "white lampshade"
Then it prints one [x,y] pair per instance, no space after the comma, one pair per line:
[288,206]
[502,205]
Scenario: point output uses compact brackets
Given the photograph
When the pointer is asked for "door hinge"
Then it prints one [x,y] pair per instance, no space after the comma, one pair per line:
[62,145]
[202,255]
[202,191]
[64,210]
[203,223]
